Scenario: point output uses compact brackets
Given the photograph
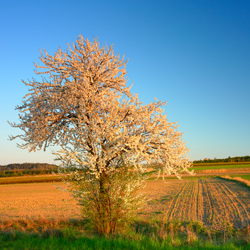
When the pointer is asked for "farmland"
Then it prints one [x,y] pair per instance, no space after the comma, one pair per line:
[35,201]
[211,201]
[203,209]
[212,168]
[29,179]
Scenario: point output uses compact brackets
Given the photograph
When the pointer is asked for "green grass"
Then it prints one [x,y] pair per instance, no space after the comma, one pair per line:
[142,235]
[216,167]
[187,177]
[220,163]
[246,177]
[243,176]
[27,242]
[18,240]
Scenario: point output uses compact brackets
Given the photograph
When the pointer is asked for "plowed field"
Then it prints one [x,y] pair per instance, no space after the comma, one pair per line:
[212,201]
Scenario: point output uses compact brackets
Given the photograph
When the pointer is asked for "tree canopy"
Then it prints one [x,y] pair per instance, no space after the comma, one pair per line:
[82,103]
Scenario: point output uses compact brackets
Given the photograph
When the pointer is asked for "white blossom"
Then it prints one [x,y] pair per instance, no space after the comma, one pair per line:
[107,136]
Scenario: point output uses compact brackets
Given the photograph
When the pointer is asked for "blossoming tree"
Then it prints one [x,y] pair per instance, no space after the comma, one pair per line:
[106,135]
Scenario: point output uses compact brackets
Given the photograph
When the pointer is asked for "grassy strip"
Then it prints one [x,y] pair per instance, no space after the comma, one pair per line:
[186,177]
[242,179]
[246,177]
[143,235]
[217,167]
[237,179]
[24,242]
[220,163]
[29,179]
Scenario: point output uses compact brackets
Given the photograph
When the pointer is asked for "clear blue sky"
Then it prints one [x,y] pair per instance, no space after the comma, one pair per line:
[193,54]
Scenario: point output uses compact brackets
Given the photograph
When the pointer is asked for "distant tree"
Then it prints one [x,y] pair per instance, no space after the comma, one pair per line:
[106,134]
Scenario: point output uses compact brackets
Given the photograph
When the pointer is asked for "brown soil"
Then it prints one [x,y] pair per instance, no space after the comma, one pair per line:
[213,201]
[36,201]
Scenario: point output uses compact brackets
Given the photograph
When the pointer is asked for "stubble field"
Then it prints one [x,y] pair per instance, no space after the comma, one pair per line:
[36,201]
[214,202]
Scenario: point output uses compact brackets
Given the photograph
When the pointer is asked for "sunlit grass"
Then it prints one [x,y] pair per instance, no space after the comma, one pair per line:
[141,236]
[222,166]
[246,177]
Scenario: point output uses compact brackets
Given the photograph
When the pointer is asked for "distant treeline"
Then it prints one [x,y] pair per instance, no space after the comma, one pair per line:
[225,160]
[20,169]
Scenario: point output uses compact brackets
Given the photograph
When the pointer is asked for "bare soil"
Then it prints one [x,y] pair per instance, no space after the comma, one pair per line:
[36,201]
[212,201]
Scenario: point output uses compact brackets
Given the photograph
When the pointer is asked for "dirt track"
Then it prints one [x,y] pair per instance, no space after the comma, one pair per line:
[213,201]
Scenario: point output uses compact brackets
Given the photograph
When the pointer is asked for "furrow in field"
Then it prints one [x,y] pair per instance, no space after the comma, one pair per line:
[207,203]
[186,201]
[224,198]
[194,212]
[190,202]
[182,206]
[237,203]
[222,204]
[170,214]
[185,204]
[199,201]
[219,211]
[235,192]
[242,195]
[234,216]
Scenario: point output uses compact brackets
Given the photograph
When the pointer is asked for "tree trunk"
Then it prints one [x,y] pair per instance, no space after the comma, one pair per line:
[106,224]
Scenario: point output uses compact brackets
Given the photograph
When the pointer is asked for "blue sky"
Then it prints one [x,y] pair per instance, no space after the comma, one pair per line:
[193,54]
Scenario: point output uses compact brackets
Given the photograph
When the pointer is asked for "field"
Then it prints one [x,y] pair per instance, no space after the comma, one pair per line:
[199,212]
[212,201]
[246,177]
[229,167]
[29,179]
[36,201]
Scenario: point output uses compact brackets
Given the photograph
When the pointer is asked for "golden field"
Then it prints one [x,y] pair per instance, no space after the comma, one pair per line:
[212,201]
[35,201]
